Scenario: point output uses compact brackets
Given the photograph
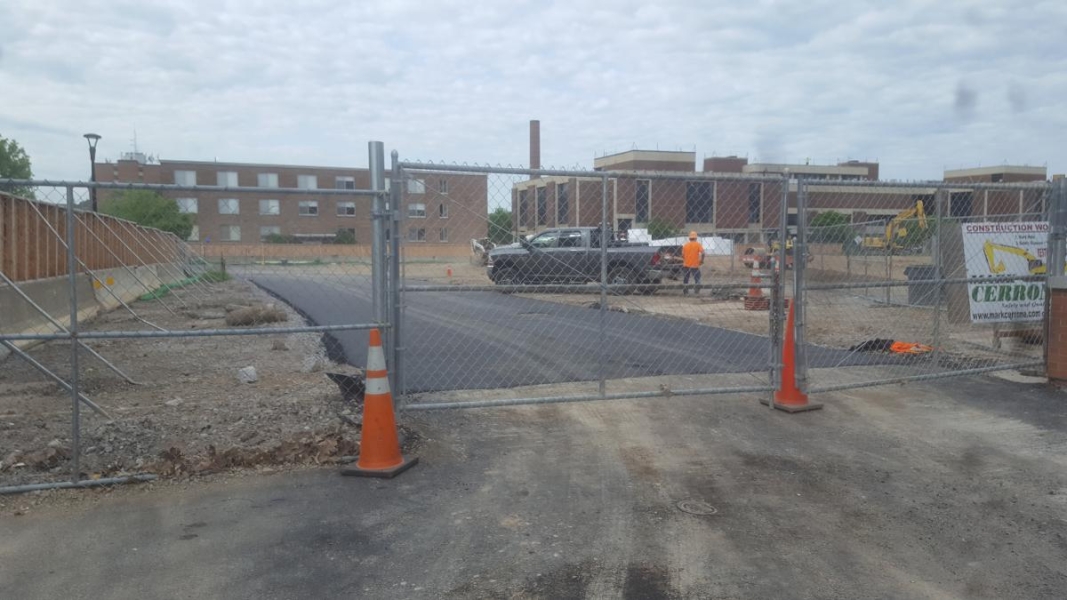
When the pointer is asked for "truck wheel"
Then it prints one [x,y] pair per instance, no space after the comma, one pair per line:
[506,277]
[623,276]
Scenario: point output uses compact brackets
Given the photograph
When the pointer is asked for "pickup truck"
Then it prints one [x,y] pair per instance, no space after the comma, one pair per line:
[572,255]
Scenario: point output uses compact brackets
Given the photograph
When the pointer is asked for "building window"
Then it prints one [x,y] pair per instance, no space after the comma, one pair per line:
[267,180]
[442,186]
[542,206]
[230,233]
[346,209]
[699,202]
[346,183]
[996,177]
[227,178]
[563,208]
[641,207]
[307,182]
[755,202]
[524,208]
[416,211]
[442,210]
[417,234]
[185,178]
[187,206]
[309,208]
[268,230]
[269,208]
[416,186]
[194,235]
[229,206]
[444,234]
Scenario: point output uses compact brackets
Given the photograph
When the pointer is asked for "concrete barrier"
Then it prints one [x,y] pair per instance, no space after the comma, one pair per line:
[95,295]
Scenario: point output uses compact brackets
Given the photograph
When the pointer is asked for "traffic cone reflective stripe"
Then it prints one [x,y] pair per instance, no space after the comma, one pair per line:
[379,445]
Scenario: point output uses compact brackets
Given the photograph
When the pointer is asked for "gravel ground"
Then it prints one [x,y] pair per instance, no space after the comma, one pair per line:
[190,413]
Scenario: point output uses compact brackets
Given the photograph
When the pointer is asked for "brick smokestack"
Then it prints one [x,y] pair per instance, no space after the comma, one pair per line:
[535,144]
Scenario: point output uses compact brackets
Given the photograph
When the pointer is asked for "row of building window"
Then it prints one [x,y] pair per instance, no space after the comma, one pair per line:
[303,182]
[306,208]
[232,233]
[231,206]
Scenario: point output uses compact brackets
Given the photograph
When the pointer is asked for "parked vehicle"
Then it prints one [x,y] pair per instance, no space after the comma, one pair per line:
[572,255]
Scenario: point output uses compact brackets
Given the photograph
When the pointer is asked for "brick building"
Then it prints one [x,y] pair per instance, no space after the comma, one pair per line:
[250,216]
[733,198]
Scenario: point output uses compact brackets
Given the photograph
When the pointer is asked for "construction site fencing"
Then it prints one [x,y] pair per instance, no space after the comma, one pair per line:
[917,281]
[545,311]
[102,307]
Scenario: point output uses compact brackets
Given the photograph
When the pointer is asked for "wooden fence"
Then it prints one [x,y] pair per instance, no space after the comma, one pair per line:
[33,236]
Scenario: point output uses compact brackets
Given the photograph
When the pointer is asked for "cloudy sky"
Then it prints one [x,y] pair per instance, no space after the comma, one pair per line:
[917,85]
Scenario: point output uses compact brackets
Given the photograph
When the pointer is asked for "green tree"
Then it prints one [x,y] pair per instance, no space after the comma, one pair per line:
[15,164]
[659,229]
[830,227]
[280,238]
[500,227]
[344,236]
[150,209]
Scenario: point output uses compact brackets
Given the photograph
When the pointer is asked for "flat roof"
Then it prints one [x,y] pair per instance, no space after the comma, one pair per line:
[651,155]
[810,169]
[1001,169]
[214,163]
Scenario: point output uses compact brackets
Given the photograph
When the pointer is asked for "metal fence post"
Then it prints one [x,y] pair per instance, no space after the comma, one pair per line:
[376,162]
[800,264]
[603,285]
[1057,250]
[939,199]
[395,326]
[777,319]
[72,278]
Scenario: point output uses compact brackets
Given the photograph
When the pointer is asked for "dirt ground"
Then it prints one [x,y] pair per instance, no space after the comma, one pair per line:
[189,413]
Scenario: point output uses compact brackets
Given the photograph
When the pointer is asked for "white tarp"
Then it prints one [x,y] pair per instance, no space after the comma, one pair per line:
[1005,249]
[713,245]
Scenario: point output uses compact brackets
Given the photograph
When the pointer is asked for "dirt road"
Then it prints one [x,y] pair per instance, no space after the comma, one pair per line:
[954,490]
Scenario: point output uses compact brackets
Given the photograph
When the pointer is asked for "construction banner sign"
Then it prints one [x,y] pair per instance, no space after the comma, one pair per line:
[1005,249]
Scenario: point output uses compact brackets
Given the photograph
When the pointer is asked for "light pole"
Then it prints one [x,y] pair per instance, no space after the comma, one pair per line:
[92,139]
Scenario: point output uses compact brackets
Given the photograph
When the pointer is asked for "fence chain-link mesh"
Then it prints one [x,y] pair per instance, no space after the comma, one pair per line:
[923,280]
[511,292]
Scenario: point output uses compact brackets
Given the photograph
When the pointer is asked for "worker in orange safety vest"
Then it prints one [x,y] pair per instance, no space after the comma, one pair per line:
[692,260]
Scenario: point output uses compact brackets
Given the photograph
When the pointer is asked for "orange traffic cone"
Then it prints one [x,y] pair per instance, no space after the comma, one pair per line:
[379,446]
[788,396]
[755,300]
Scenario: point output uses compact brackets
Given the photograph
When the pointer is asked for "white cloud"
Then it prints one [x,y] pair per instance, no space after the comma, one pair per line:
[918,85]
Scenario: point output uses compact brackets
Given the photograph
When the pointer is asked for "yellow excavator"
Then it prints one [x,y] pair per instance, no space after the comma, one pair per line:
[1035,264]
[895,232]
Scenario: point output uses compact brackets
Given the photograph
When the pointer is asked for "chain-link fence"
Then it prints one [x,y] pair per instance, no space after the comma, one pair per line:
[642,278]
[153,338]
[922,280]
[563,285]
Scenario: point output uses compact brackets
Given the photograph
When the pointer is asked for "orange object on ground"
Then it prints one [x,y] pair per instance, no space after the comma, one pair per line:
[788,397]
[756,300]
[379,446]
[692,253]
[910,348]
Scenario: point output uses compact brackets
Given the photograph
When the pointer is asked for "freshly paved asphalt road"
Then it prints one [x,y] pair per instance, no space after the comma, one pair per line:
[933,491]
[489,340]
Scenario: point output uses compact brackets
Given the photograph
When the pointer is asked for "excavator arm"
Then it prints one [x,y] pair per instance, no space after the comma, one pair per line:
[1035,264]
[915,211]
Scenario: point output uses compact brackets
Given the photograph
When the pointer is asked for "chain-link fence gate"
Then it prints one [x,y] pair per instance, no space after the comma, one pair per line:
[570,285]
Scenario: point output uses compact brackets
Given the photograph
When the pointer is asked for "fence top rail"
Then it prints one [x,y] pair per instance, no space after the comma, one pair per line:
[949,186]
[168,187]
[590,175]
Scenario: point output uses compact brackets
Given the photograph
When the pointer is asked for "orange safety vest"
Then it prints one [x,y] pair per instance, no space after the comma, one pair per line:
[691,252]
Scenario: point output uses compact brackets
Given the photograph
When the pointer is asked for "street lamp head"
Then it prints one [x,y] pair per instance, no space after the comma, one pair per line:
[93,139]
